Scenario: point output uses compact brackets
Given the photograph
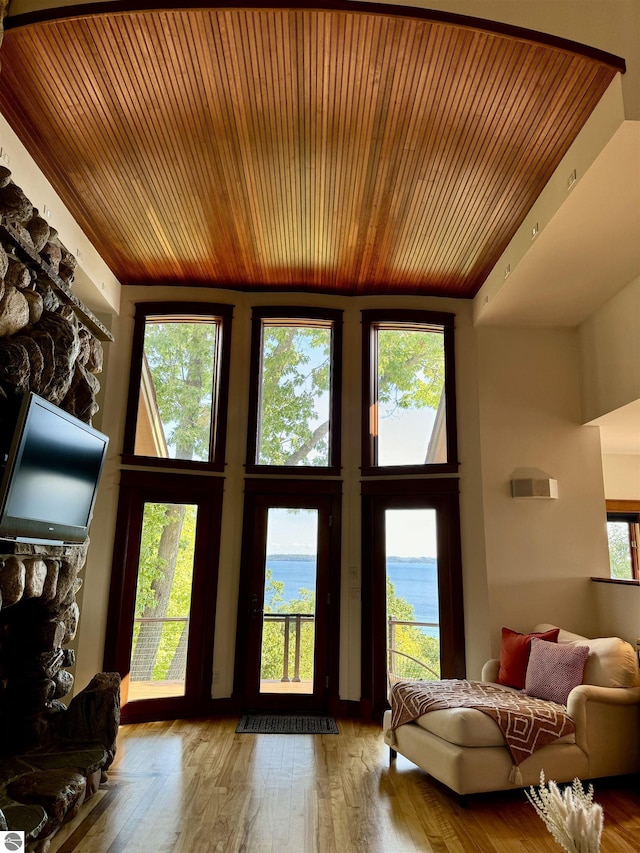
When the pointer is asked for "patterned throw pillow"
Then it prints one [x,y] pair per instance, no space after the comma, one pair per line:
[514,655]
[554,670]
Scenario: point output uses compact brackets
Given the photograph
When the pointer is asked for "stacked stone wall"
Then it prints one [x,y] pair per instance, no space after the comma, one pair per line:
[51,758]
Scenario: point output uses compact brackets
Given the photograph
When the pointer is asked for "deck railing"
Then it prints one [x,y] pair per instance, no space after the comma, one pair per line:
[290,621]
[152,639]
[147,647]
[397,657]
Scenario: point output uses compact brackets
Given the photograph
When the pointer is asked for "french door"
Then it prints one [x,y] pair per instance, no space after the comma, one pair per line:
[162,603]
[412,614]
[286,652]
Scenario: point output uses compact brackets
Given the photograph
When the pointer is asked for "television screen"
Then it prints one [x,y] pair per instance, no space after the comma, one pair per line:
[51,475]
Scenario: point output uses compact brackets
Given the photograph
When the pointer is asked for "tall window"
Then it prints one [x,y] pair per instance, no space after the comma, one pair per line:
[408,390]
[412,604]
[288,629]
[413,625]
[158,662]
[162,606]
[623,531]
[177,395]
[295,390]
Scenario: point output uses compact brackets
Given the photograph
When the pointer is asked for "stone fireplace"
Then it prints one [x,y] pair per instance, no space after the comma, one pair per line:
[51,757]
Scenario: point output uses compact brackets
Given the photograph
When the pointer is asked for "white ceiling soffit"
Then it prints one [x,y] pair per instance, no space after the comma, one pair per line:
[620,430]
[585,254]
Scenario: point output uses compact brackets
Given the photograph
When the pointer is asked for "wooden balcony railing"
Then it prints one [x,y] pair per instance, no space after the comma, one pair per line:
[290,621]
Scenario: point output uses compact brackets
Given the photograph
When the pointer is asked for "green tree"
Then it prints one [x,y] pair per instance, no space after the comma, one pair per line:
[181,359]
[619,550]
[295,379]
[296,374]
[417,655]
[163,589]
[413,654]
[273,631]
[410,369]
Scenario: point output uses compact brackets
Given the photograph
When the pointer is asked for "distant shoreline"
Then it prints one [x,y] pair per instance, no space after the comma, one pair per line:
[414,580]
[310,558]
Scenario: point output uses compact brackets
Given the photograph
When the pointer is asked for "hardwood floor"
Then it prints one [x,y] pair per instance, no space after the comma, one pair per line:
[197,787]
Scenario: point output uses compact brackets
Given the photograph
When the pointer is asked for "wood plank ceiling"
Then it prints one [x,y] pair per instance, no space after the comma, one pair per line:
[353,151]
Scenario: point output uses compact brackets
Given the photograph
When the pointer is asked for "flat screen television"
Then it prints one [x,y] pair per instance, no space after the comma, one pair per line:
[51,475]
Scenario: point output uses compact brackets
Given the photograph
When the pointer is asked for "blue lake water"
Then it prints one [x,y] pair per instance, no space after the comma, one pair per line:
[417,583]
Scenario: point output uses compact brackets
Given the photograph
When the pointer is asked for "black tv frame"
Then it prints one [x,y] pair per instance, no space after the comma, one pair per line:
[55,527]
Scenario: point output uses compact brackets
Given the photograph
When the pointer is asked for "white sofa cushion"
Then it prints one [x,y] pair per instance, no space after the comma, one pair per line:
[468,727]
[462,726]
[611,662]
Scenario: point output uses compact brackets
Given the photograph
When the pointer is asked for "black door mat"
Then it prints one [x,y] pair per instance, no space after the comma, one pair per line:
[282,724]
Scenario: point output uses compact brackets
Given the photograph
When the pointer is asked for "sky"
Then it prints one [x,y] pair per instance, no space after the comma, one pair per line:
[410,533]
[404,436]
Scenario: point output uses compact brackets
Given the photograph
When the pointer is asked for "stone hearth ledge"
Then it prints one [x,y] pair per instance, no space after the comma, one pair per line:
[45,787]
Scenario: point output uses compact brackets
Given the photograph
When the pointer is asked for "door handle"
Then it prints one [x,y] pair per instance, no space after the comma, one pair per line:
[254,610]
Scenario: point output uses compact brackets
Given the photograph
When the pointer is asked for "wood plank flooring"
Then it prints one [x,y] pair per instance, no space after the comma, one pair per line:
[194,786]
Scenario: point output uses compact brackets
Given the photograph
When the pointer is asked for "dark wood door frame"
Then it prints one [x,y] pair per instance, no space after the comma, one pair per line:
[138,488]
[260,494]
[440,494]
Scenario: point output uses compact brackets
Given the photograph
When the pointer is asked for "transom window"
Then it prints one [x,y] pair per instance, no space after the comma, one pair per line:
[409,404]
[177,396]
[295,390]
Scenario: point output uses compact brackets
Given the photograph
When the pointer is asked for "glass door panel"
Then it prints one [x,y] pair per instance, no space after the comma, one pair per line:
[163,601]
[289,612]
[412,615]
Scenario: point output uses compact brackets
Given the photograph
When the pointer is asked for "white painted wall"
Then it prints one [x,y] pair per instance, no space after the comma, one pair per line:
[94,595]
[540,553]
[618,607]
[610,354]
[621,476]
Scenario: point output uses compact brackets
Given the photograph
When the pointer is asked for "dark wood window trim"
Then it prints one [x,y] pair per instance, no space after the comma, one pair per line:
[628,511]
[623,506]
[136,489]
[301,314]
[401,11]
[370,319]
[292,492]
[183,311]
[441,494]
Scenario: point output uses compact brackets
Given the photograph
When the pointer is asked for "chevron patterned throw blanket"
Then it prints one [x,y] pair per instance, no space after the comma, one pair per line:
[526,723]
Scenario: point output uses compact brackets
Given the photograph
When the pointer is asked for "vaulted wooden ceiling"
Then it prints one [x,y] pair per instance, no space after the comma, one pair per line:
[357,149]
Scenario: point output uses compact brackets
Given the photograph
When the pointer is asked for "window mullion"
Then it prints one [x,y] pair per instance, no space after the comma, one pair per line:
[634,544]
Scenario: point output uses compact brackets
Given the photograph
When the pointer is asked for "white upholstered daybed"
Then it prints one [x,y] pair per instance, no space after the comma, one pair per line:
[465,750]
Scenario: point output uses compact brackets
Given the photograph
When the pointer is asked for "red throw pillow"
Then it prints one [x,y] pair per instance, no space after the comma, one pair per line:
[514,655]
